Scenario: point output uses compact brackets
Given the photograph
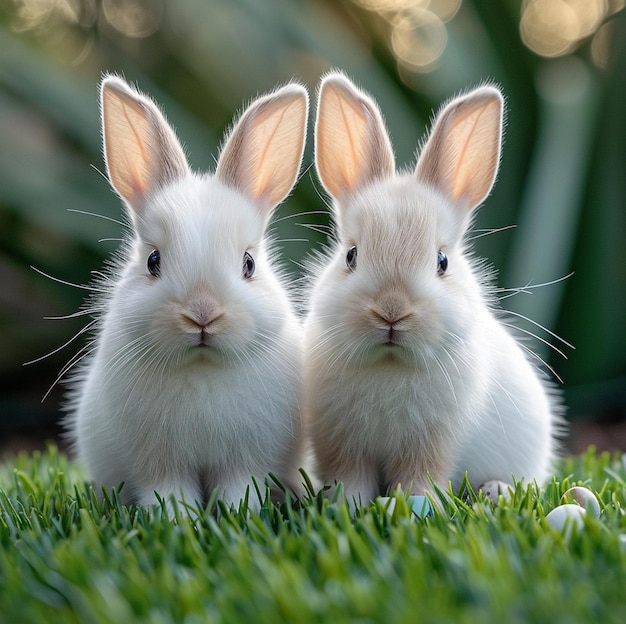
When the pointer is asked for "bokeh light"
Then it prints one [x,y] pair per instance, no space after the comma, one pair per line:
[419,39]
[554,28]
[134,18]
[416,29]
[601,45]
[417,34]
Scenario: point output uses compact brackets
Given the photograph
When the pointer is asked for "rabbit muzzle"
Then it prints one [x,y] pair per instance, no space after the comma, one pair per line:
[201,319]
[391,316]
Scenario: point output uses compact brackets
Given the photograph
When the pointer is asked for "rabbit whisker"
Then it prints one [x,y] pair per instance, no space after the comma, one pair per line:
[543,362]
[75,359]
[77,314]
[99,216]
[536,324]
[65,283]
[530,334]
[489,231]
[55,351]
[529,287]
[299,214]
[325,230]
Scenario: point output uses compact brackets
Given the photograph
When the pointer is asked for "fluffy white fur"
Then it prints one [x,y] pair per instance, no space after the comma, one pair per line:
[194,382]
[453,392]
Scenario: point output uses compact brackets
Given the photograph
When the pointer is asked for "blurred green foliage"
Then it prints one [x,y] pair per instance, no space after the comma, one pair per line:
[562,179]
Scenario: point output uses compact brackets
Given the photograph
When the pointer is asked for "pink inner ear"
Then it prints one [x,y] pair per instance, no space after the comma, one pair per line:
[124,122]
[462,154]
[352,147]
[263,153]
[478,146]
[142,151]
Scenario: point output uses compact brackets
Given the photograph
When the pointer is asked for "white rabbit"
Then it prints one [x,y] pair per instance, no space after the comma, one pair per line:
[408,372]
[194,383]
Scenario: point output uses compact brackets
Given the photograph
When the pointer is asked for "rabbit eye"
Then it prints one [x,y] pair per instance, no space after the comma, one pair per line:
[351,258]
[154,263]
[248,265]
[442,262]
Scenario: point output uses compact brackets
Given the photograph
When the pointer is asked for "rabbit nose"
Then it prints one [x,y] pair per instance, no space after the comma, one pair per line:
[200,321]
[200,314]
[390,317]
[391,310]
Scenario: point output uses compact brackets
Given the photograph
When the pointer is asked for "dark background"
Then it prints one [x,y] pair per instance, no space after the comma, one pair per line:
[561,64]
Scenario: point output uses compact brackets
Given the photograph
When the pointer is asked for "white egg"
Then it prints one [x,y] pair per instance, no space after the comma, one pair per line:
[493,489]
[565,517]
[585,498]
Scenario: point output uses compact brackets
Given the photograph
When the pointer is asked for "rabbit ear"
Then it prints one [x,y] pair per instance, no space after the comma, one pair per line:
[141,150]
[462,154]
[262,155]
[352,146]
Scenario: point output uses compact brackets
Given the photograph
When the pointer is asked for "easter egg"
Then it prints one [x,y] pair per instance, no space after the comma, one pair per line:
[585,498]
[566,517]
[420,505]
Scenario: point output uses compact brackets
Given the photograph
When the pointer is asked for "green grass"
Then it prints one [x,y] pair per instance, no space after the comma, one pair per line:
[65,556]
